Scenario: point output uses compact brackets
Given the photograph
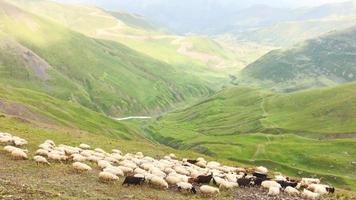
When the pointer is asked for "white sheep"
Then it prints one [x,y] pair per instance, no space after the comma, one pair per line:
[273,191]
[291,191]
[261,170]
[185,186]
[81,167]
[84,146]
[78,158]
[268,184]
[308,181]
[107,177]
[172,180]
[208,190]
[10,149]
[103,163]
[159,182]
[42,152]
[41,160]
[310,195]
[139,171]
[126,170]
[114,170]
[19,154]
[172,155]
[19,141]
[226,185]
[318,188]
[116,151]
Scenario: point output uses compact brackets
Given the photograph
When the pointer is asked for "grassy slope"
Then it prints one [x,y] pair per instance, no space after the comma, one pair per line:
[102,75]
[72,125]
[287,34]
[253,126]
[325,61]
[141,35]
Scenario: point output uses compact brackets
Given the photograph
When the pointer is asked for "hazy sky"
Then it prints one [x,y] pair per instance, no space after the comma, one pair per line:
[242,3]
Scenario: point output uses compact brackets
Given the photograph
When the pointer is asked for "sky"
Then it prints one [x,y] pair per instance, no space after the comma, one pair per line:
[243,3]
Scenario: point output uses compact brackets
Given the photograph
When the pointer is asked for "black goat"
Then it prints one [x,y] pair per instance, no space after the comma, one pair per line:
[244,182]
[131,180]
[330,189]
[258,181]
[258,175]
[285,184]
[192,161]
[204,179]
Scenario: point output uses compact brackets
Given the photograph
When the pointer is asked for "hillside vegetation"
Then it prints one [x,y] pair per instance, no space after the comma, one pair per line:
[105,76]
[295,133]
[199,55]
[324,61]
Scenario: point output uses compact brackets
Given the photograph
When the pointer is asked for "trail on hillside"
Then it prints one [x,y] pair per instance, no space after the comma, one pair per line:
[132,117]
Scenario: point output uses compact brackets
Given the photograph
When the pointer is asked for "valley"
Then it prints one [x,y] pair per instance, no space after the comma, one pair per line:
[246,86]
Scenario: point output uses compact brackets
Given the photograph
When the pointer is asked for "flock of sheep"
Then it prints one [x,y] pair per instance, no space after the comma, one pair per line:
[186,175]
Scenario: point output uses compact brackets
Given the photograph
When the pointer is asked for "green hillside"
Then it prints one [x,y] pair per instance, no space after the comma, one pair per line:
[324,61]
[200,55]
[105,76]
[294,133]
[287,34]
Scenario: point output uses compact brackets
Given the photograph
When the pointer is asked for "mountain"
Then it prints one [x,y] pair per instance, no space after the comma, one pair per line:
[188,53]
[324,61]
[41,55]
[263,128]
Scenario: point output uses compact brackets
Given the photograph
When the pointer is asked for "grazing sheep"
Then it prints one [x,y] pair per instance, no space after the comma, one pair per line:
[268,184]
[227,185]
[84,146]
[126,170]
[19,142]
[139,171]
[291,191]
[41,160]
[261,170]
[99,150]
[217,180]
[208,190]
[19,154]
[201,163]
[132,180]
[181,170]
[159,182]
[116,151]
[172,180]
[81,167]
[172,155]
[114,170]
[42,152]
[273,191]
[107,177]
[186,187]
[157,172]
[10,149]
[318,188]
[78,158]
[310,195]
[55,157]
[103,164]
[307,181]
